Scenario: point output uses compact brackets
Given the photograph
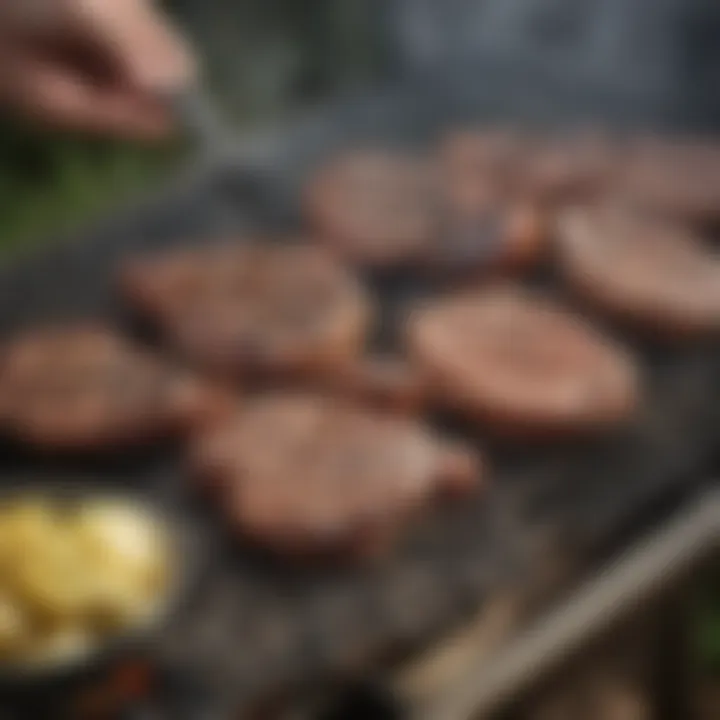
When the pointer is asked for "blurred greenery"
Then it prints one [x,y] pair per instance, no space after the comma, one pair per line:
[50,184]
[263,58]
[708,621]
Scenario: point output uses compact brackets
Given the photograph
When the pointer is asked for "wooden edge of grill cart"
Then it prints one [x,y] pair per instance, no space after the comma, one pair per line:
[481,668]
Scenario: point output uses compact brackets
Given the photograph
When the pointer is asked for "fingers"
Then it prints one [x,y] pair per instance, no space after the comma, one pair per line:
[51,93]
[146,60]
[149,53]
[147,50]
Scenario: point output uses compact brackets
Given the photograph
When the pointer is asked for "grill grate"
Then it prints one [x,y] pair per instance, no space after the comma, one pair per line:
[257,628]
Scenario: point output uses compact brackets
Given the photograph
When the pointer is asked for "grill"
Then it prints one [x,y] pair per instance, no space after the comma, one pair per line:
[258,629]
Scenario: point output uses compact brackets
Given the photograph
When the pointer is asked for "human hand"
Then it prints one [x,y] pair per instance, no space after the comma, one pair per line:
[98,66]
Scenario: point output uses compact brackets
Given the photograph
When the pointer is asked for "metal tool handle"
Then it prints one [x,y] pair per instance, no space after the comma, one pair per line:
[201,121]
[652,565]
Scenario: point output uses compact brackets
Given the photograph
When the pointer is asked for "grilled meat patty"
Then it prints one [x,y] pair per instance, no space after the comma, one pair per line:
[646,272]
[83,388]
[253,309]
[520,365]
[382,210]
[536,168]
[374,208]
[309,476]
[502,188]
[479,156]
[676,177]
[566,168]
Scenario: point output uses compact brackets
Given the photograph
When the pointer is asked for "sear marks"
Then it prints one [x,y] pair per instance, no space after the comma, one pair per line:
[643,271]
[253,309]
[520,365]
[307,476]
[83,388]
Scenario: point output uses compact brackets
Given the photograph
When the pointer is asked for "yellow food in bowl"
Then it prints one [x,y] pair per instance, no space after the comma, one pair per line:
[75,574]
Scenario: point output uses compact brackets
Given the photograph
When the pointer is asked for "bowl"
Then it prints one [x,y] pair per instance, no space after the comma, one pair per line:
[44,678]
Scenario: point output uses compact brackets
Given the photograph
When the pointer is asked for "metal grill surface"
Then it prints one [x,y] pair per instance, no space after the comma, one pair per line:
[256,627]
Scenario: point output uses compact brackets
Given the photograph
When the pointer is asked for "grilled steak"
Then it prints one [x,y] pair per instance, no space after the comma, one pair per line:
[647,272]
[520,365]
[375,209]
[533,168]
[259,309]
[384,210]
[679,178]
[83,388]
[308,476]
[502,189]
[482,156]
[561,169]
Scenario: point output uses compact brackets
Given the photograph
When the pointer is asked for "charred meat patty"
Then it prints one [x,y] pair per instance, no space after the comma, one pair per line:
[305,475]
[520,365]
[277,310]
[674,177]
[647,272]
[83,387]
[374,208]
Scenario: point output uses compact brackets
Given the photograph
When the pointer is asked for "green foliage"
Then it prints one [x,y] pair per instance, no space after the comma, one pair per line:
[51,184]
[708,622]
[263,58]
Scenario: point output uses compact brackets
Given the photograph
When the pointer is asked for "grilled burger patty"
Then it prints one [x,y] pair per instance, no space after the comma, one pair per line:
[267,309]
[83,387]
[383,210]
[676,177]
[521,365]
[647,272]
[374,208]
[308,476]
[501,189]
[568,168]
[493,154]
[535,168]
